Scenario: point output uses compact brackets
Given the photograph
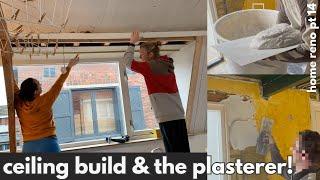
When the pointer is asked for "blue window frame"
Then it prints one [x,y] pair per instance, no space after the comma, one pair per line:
[49,72]
[83,114]
[137,108]
[4,147]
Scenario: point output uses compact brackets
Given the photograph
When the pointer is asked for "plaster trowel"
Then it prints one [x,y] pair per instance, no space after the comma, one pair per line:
[265,131]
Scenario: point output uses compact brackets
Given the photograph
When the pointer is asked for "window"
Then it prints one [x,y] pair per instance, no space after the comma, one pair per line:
[49,72]
[87,113]
[82,113]
[105,112]
[94,112]
[90,106]
[4,147]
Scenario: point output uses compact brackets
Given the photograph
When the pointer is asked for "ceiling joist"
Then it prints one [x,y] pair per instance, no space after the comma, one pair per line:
[113,37]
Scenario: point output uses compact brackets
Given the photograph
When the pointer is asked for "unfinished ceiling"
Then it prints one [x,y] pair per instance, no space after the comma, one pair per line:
[43,31]
[107,16]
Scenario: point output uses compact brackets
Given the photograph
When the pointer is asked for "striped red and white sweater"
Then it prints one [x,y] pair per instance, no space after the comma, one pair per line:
[294,12]
[162,88]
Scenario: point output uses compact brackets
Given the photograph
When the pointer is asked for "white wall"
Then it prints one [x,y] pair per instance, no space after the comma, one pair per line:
[3,97]
[183,64]
[215,145]
[240,118]
[183,60]
[199,114]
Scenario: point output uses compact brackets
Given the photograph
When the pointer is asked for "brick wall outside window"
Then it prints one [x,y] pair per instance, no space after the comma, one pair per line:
[90,74]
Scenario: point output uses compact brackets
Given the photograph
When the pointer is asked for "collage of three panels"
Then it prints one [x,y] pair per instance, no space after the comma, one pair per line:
[263,89]
[234,79]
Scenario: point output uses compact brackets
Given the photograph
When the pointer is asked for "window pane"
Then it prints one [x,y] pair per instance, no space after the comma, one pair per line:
[4,133]
[105,111]
[82,110]
[46,72]
[82,76]
[4,129]
[52,72]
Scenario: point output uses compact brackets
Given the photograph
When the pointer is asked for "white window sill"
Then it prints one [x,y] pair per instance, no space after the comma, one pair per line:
[90,144]
[98,143]
[139,136]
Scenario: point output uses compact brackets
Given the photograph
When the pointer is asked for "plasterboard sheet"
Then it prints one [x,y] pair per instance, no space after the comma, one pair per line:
[240,52]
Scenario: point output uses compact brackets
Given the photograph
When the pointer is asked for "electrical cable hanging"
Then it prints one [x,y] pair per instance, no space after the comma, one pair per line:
[41,16]
[64,59]
[8,37]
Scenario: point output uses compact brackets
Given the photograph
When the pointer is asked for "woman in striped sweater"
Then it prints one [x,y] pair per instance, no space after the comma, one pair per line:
[295,13]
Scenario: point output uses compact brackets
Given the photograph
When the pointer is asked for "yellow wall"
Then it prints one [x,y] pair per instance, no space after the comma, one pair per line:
[290,109]
[268,4]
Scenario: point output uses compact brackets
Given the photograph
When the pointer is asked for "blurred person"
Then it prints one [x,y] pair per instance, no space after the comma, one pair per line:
[305,155]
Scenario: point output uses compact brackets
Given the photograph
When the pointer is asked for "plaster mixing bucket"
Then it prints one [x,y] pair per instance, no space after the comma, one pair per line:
[245,23]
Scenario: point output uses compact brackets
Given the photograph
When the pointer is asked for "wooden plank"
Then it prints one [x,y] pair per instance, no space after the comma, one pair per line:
[127,114]
[53,39]
[24,59]
[6,56]
[118,36]
[90,49]
[194,79]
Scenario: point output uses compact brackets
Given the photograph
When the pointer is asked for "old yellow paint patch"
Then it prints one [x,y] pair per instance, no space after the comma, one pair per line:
[260,4]
[290,109]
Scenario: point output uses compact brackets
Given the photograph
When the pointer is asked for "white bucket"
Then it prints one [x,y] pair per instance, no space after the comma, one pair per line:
[245,23]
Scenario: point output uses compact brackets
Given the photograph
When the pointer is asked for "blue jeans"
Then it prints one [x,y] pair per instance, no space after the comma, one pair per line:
[47,145]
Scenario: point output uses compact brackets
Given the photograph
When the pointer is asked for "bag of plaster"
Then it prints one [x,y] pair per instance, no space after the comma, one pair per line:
[262,146]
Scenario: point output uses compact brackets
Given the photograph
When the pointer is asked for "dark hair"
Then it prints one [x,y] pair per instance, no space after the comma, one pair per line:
[309,141]
[27,89]
[153,47]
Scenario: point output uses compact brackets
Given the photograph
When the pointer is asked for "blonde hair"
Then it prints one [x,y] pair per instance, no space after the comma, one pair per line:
[152,47]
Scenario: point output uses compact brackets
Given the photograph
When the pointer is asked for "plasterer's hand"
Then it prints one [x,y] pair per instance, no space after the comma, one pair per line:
[268,139]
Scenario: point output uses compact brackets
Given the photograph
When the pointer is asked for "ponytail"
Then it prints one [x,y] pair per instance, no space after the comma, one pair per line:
[153,47]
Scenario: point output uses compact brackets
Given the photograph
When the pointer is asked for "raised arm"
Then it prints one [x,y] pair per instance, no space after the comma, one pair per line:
[54,92]
[131,63]
[277,158]
[129,55]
